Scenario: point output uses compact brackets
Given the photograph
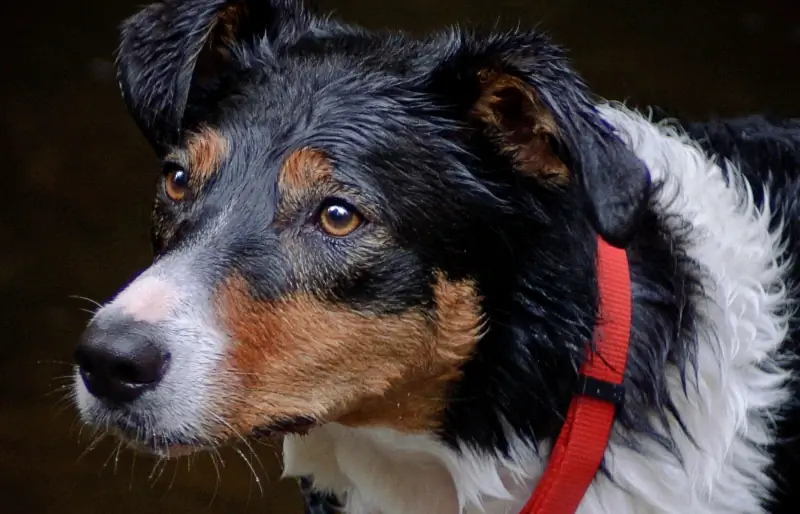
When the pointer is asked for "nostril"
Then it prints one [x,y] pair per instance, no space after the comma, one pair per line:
[127,372]
[145,367]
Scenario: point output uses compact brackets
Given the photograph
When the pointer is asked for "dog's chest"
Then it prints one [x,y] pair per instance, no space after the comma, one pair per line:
[384,472]
[380,471]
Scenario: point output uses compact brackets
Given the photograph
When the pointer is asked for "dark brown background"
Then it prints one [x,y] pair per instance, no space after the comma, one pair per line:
[78,179]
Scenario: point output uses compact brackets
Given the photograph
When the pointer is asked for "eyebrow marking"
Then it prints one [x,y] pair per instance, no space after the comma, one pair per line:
[205,150]
[302,168]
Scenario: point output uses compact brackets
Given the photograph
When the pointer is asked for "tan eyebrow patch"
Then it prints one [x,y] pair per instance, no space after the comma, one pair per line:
[302,168]
[303,357]
[205,150]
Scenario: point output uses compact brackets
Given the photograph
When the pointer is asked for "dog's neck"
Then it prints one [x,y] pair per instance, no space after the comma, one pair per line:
[705,321]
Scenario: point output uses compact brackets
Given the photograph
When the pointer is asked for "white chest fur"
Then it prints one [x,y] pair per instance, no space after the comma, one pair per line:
[382,471]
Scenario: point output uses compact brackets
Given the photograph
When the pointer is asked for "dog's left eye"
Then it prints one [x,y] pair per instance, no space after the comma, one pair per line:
[176,183]
[338,218]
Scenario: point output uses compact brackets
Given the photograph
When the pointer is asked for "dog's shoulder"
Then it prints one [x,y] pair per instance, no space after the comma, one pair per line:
[766,151]
[760,145]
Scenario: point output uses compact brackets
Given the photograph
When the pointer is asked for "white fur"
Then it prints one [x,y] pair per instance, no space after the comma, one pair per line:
[168,294]
[148,299]
[385,472]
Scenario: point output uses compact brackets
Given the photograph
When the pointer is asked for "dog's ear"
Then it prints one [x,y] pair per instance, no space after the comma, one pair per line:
[171,48]
[519,91]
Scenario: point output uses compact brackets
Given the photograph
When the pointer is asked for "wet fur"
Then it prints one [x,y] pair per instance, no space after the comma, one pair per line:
[456,201]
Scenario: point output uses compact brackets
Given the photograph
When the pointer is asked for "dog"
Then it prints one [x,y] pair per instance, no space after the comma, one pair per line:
[389,251]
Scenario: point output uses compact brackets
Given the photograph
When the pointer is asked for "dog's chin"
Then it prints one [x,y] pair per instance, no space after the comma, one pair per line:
[163,445]
[169,446]
[168,451]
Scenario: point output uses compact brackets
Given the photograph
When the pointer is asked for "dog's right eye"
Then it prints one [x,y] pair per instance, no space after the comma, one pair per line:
[176,183]
[339,219]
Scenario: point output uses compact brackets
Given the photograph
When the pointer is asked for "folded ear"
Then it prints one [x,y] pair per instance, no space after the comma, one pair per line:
[173,47]
[518,90]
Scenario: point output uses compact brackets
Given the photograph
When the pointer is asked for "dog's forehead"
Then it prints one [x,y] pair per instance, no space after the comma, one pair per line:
[320,96]
[370,121]
[342,109]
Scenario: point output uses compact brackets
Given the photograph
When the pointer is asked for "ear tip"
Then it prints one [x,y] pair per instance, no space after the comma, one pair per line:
[617,231]
[618,217]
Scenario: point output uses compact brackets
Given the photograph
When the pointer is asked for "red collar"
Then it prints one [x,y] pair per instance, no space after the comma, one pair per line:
[580,446]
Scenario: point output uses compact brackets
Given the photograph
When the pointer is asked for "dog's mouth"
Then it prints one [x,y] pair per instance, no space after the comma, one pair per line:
[141,438]
[298,425]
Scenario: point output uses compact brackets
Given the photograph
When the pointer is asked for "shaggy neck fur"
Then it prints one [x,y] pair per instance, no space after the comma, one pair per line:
[703,452]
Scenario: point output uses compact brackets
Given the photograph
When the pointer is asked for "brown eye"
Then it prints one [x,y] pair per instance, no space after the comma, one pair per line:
[176,184]
[339,219]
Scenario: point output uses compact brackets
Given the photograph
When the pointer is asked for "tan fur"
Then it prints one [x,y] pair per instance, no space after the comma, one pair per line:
[221,35]
[205,150]
[302,168]
[516,115]
[227,23]
[300,356]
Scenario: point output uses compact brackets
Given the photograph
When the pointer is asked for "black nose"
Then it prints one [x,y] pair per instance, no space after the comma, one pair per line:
[121,360]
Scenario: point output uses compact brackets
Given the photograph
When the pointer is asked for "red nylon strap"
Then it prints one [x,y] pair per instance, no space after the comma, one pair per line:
[582,442]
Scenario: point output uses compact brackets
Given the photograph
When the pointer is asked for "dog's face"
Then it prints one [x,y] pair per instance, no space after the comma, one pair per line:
[338,218]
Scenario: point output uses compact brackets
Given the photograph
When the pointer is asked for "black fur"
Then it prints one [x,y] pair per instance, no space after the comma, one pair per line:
[316,502]
[439,194]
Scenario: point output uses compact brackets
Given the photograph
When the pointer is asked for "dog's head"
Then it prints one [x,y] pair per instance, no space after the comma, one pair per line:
[344,219]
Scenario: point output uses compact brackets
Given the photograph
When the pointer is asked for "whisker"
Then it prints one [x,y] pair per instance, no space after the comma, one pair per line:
[161,446]
[92,445]
[65,401]
[133,463]
[212,455]
[80,431]
[164,462]
[60,363]
[172,480]
[218,456]
[241,438]
[241,373]
[158,466]
[63,378]
[74,427]
[269,444]
[116,456]
[252,470]
[249,495]
[86,299]
[64,387]
[108,459]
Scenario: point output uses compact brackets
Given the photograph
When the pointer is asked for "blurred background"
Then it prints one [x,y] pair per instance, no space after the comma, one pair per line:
[79,178]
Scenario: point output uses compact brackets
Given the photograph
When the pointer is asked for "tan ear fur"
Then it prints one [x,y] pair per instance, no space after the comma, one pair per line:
[517,120]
